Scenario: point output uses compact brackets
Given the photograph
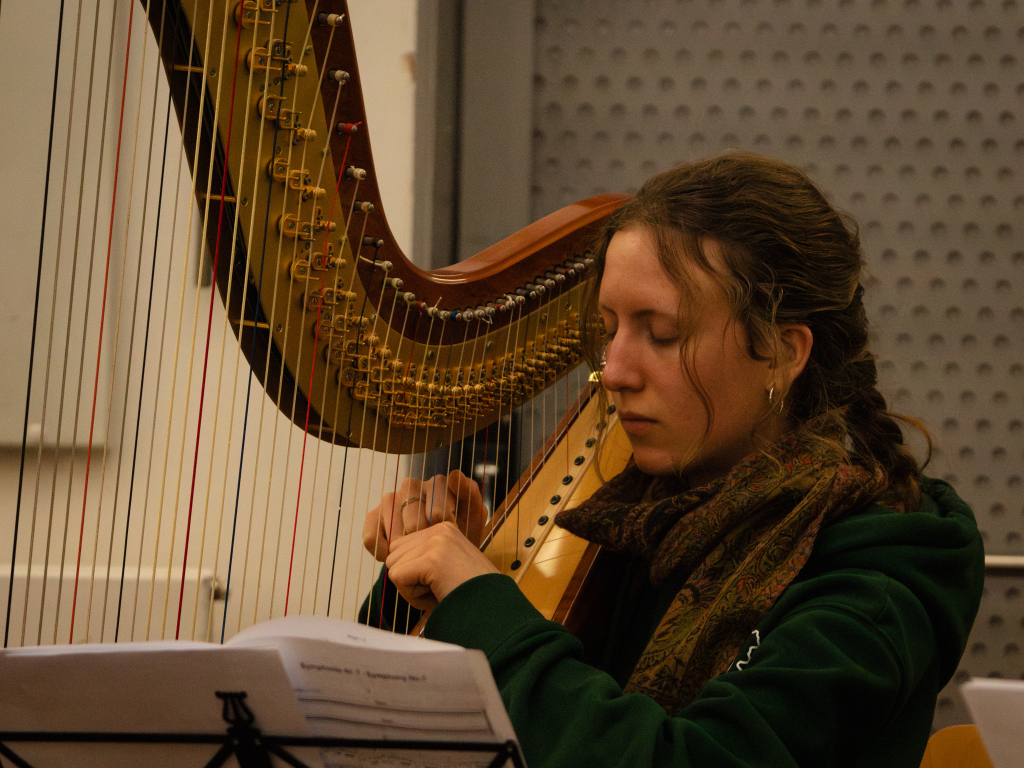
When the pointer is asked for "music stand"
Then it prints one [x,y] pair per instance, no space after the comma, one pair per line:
[249,745]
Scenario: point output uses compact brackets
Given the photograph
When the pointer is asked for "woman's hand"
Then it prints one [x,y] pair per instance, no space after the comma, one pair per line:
[418,505]
[428,564]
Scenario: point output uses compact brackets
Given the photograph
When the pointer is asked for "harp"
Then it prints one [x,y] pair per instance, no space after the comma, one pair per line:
[195,457]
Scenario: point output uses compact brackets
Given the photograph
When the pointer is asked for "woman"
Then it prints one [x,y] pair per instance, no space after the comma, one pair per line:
[792,591]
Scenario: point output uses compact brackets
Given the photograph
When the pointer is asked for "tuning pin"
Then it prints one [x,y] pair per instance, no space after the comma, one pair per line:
[330,19]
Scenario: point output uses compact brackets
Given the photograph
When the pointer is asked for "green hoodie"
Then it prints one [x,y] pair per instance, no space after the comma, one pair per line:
[844,670]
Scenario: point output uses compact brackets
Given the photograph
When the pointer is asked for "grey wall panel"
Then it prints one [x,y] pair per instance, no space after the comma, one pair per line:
[908,114]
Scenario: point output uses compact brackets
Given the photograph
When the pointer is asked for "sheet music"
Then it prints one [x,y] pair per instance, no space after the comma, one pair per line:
[302,676]
[370,684]
[347,633]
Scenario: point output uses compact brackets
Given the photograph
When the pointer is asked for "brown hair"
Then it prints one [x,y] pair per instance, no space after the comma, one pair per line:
[792,259]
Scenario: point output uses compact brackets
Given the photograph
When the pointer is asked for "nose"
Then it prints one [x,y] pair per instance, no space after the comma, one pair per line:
[622,368]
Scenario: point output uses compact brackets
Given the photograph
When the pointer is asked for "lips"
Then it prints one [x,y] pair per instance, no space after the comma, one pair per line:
[635,423]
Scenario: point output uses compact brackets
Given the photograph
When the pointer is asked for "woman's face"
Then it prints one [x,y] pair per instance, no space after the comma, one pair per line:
[658,405]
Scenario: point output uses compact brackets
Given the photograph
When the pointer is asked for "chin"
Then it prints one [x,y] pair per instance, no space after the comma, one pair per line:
[658,466]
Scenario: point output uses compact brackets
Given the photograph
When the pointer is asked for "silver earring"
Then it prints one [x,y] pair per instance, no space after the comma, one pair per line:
[771,398]
[771,395]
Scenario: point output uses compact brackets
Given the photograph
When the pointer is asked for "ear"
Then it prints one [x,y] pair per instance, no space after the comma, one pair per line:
[795,342]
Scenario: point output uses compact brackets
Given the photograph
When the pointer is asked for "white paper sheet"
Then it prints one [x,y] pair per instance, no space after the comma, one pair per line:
[139,688]
[370,684]
[997,708]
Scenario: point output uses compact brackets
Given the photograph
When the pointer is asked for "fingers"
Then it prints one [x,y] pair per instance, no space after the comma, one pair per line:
[384,522]
[435,560]
[419,596]
[434,504]
[375,528]
[472,514]
[417,504]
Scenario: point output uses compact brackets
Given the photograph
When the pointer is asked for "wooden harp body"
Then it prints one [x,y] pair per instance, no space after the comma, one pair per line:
[193,508]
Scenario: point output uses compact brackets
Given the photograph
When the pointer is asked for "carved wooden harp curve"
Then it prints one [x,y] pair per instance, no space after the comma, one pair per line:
[311,275]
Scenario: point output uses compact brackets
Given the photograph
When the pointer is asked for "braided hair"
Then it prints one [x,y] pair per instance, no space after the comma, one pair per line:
[791,259]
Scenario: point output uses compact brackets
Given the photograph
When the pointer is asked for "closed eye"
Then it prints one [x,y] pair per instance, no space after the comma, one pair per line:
[664,341]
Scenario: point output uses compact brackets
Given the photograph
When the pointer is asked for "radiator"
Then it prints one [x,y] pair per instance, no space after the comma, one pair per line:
[100,606]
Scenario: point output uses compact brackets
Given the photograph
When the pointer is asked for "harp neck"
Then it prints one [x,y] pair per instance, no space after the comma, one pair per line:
[352,340]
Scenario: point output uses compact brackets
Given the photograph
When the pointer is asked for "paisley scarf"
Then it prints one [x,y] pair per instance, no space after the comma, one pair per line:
[735,543]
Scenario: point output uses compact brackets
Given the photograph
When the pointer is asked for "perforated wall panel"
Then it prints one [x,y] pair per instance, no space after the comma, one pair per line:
[908,114]
[994,649]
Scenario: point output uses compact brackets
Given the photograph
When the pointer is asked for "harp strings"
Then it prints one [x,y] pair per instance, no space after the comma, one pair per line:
[288,331]
[135,507]
[149,311]
[358,242]
[422,462]
[32,524]
[99,348]
[142,379]
[278,384]
[190,69]
[326,370]
[32,349]
[210,197]
[164,302]
[242,453]
[231,284]
[320,292]
[266,379]
[67,345]
[106,577]
[240,184]
[469,386]
[394,488]
[253,192]
[352,207]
